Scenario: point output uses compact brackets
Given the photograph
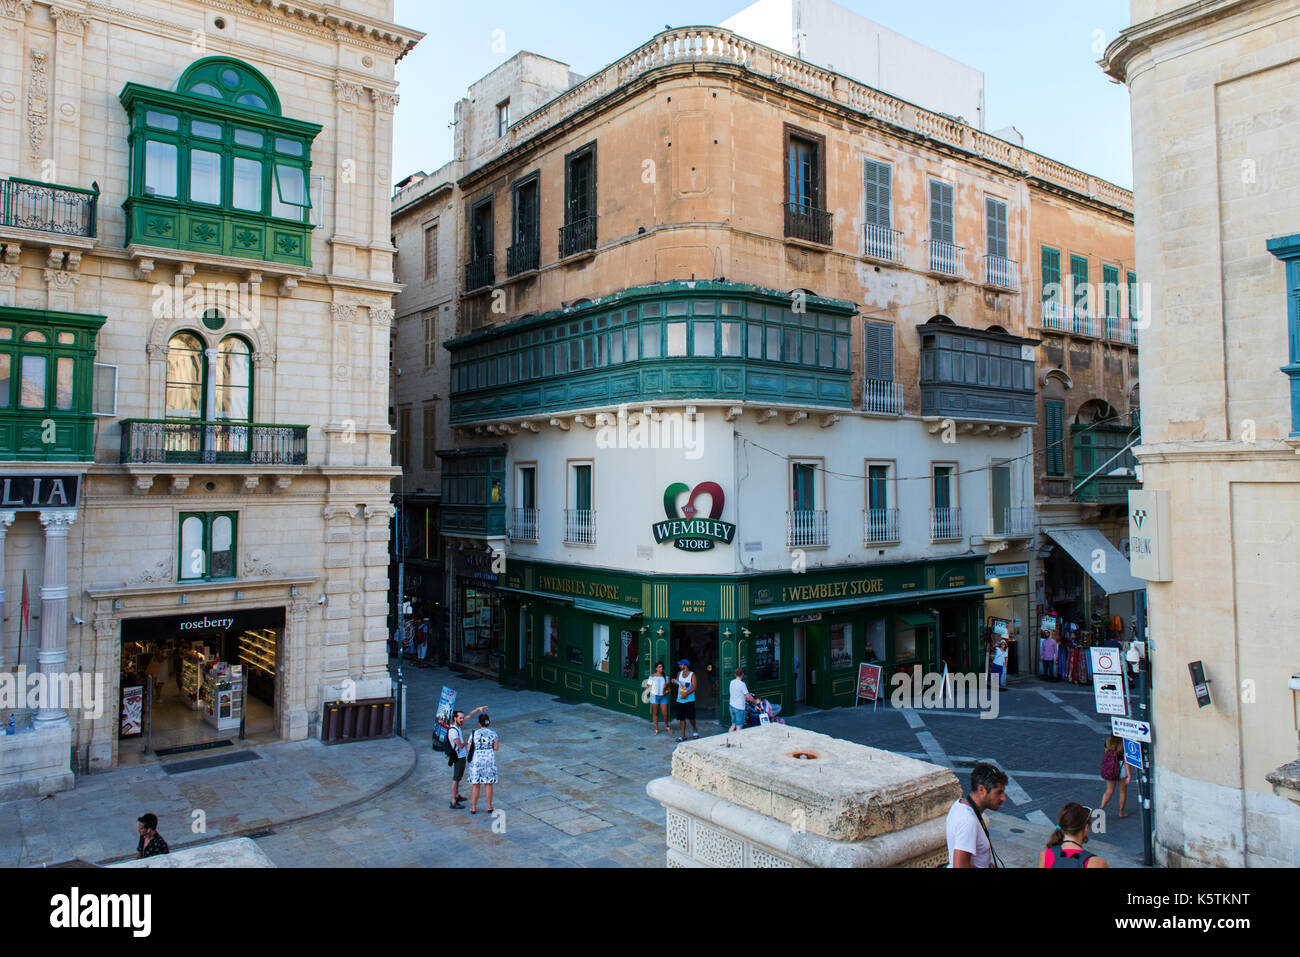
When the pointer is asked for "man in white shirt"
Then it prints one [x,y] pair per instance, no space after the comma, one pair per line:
[456,737]
[739,694]
[968,839]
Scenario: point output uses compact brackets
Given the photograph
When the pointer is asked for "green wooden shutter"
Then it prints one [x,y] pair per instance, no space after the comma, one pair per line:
[1079,274]
[940,211]
[879,359]
[1054,412]
[1051,276]
[879,193]
[995,215]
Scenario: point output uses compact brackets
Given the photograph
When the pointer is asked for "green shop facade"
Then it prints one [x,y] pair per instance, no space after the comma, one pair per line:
[595,634]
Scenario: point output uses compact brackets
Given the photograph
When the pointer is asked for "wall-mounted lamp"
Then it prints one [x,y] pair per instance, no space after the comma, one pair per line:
[645,629]
[727,633]
[745,632]
[660,632]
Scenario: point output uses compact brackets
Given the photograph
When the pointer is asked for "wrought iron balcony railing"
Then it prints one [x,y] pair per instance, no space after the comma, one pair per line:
[579,526]
[945,258]
[578,236]
[523,256]
[480,272]
[880,242]
[524,524]
[196,442]
[1012,523]
[882,395]
[1001,272]
[808,223]
[945,524]
[805,528]
[879,526]
[67,210]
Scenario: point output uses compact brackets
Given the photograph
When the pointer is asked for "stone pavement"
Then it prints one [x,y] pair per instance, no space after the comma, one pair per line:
[571,792]
[1047,738]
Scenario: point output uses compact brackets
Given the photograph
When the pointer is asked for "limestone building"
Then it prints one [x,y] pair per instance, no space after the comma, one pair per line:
[744,371]
[195,309]
[1215,142]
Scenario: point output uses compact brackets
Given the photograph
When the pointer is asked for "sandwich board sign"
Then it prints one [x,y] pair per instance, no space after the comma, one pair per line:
[1108,681]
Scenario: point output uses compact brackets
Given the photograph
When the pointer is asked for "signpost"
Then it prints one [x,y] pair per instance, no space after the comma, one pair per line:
[1130,729]
[1133,755]
[869,684]
[1108,681]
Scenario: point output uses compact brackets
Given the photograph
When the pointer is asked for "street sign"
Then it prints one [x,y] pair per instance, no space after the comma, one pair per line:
[1129,729]
[1133,754]
[1108,681]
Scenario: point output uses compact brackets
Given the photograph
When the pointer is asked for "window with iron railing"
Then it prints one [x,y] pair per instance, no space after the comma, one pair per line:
[806,216]
[578,234]
[524,252]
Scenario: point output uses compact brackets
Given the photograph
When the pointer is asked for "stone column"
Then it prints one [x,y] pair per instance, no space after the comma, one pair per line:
[54,611]
[6,519]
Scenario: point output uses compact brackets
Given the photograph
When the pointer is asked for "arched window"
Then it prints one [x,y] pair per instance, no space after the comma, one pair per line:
[234,380]
[218,390]
[185,384]
[228,79]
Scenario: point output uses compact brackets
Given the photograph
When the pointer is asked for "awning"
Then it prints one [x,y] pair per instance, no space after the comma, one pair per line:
[843,604]
[583,604]
[916,619]
[1082,545]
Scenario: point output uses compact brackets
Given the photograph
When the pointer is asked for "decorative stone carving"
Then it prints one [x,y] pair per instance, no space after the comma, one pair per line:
[62,280]
[348,92]
[15,9]
[332,512]
[250,483]
[12,253]
[282,482]
[158,575]
[381,315]
[180,483]
[38,104]
[254,567]
[68,21]
[105,627]
[287,286]
[142,484]
[386,102]
[144,269]
[344,311]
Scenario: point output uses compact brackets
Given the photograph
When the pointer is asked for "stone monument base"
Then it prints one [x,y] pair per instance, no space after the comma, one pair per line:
[35,763]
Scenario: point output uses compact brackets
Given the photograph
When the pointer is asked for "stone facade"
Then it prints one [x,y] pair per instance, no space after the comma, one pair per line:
[1215,143]
[312,533]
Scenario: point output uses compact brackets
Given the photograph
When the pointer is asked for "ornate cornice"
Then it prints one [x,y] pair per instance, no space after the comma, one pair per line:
[15,9]
[329,20]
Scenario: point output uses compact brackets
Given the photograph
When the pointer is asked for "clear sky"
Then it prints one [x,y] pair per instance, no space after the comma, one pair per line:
[1038,58]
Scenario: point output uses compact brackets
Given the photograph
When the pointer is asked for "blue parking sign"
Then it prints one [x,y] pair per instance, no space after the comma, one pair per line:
[1133,754]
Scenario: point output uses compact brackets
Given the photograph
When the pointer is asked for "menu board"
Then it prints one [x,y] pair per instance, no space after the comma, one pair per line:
[767,664]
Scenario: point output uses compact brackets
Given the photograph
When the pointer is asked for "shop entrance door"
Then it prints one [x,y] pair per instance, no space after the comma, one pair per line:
[954,649]
[800,665]
[699,644]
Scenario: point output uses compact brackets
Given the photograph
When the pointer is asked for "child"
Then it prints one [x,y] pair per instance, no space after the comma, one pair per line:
[1114,771]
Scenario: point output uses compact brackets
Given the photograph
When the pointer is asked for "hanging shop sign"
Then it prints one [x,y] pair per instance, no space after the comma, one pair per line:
[684,528]
[1014,570]
[1148,535]
[20,492]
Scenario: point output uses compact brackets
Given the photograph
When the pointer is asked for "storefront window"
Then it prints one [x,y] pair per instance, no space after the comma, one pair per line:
[628,652]
[876,638]
[841,646]
[600,647]
[550,637]
[767,657]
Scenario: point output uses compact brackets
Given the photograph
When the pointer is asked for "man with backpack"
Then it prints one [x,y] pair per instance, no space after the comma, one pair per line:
[969,844]
[456,748]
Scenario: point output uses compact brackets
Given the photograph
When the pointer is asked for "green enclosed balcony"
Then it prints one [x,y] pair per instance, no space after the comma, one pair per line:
[473,492]
[671,341]
[47,375]
[1106,449]
[216,169]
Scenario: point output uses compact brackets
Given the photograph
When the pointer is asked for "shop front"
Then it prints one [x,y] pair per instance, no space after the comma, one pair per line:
[596,635]
[1088,589]
[476,615]
[190,680]
[1007,612]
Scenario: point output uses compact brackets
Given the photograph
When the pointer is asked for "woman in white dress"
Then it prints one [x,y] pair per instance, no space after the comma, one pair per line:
[484,744]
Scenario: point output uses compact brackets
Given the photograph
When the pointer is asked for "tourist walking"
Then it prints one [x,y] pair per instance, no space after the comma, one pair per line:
[999,663]
[456,741]
[657,685]
[151,842]
[1065,846]
[739,696]
[969,844]
[685,682]
[1048,654]
[483,746]
[1114,771]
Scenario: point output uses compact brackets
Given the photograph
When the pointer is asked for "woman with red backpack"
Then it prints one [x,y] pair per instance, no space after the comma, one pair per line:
[1114,771]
